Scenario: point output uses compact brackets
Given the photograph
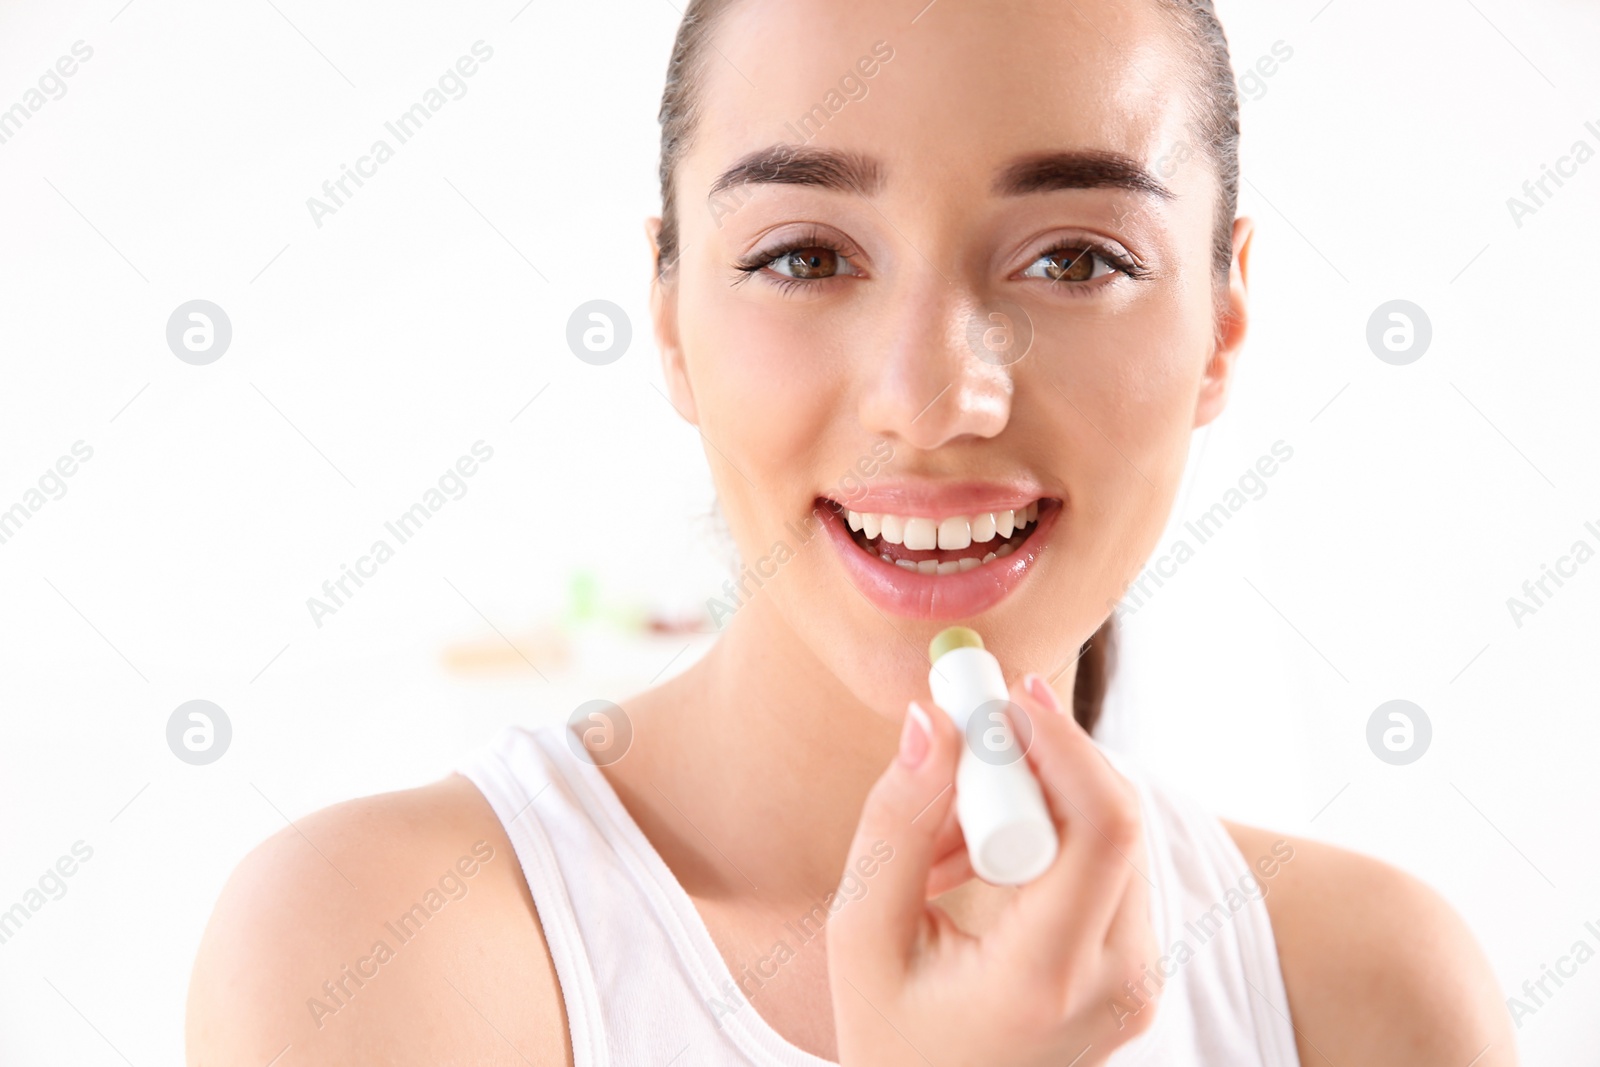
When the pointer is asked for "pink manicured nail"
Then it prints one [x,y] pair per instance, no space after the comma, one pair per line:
[1040,690]
[914,737]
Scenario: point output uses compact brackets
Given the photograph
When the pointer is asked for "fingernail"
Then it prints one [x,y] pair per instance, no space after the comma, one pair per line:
[1040,690]
[914,735]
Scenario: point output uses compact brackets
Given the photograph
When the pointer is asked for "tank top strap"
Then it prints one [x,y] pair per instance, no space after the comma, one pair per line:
[1223,1000]
[643,981]
[531,801]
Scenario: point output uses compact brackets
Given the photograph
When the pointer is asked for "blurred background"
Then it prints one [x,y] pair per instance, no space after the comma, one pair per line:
[182,498]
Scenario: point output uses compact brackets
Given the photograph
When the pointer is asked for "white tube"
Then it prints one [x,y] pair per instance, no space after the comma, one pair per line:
[1010,836]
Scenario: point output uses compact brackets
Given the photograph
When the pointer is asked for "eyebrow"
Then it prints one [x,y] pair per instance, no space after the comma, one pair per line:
[783,164]
[1080,169]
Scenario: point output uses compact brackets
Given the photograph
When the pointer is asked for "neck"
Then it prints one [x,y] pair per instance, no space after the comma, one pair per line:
[766,754]
[748,771]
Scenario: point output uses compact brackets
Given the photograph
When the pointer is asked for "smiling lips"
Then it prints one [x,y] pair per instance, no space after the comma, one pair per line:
[943,568]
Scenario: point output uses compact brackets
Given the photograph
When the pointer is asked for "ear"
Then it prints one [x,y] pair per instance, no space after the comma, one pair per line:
[1231,330]
[664,315]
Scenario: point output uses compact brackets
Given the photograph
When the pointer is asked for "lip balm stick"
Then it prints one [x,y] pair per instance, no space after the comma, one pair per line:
[1010,836]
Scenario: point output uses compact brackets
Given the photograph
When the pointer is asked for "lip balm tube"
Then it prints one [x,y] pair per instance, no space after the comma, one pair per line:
[1010,836]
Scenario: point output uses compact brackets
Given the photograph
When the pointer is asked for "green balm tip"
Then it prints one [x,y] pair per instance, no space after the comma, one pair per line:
[953,638]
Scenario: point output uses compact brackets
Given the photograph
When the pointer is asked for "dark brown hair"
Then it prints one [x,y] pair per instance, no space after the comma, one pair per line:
[1213,124]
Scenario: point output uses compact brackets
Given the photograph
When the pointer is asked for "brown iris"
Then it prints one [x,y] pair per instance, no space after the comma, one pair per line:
[813,262]
[1070,265]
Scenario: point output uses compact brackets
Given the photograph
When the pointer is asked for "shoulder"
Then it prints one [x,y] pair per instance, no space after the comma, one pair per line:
[1378,968]
[393,927]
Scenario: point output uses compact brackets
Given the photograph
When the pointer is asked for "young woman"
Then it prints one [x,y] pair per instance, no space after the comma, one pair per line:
[945,288]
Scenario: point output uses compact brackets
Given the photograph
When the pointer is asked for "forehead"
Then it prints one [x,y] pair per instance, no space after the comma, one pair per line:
[950,97]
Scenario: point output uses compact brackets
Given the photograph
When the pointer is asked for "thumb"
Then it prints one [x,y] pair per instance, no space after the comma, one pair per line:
[899,827]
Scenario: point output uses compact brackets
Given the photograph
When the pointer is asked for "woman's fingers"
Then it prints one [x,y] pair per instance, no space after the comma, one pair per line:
[900,825]
[951,872]
[1041,984]
[1067,911]
[1130,932]
[1132,967]
[951,864]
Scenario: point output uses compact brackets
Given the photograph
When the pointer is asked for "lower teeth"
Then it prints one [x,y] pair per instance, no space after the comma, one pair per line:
[949,566]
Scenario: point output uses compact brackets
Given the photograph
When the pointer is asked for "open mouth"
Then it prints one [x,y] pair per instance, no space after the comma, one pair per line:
[954,544]
[945,567]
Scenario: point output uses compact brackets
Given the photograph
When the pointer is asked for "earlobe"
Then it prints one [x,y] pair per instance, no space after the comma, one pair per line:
[664,317]
[1232,326]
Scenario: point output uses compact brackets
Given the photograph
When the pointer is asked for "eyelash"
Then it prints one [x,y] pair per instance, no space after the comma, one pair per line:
[758,261]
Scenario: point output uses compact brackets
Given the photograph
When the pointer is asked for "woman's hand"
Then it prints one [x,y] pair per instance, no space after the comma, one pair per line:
[1044,985]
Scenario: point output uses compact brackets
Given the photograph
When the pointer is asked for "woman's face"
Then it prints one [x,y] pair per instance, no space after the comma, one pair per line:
[940,268]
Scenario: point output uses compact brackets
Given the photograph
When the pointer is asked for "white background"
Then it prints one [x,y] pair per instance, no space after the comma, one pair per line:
[368,354]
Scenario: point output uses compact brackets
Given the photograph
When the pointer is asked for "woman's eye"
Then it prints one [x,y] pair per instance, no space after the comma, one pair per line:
[810,264]
[1071,265]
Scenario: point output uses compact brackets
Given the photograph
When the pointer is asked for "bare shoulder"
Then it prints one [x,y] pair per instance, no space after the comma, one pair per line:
[394,927]
[1378,968]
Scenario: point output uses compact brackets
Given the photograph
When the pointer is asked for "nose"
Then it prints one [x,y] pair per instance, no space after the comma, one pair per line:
[935,376]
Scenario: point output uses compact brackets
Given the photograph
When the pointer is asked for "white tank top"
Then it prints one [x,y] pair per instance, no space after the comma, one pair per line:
[644,983]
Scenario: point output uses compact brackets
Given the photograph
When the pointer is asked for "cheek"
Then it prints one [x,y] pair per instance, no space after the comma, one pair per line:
[1121,426]
[769,392]
[1128,383]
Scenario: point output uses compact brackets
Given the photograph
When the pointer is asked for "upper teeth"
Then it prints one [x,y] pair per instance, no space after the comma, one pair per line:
[957,531]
